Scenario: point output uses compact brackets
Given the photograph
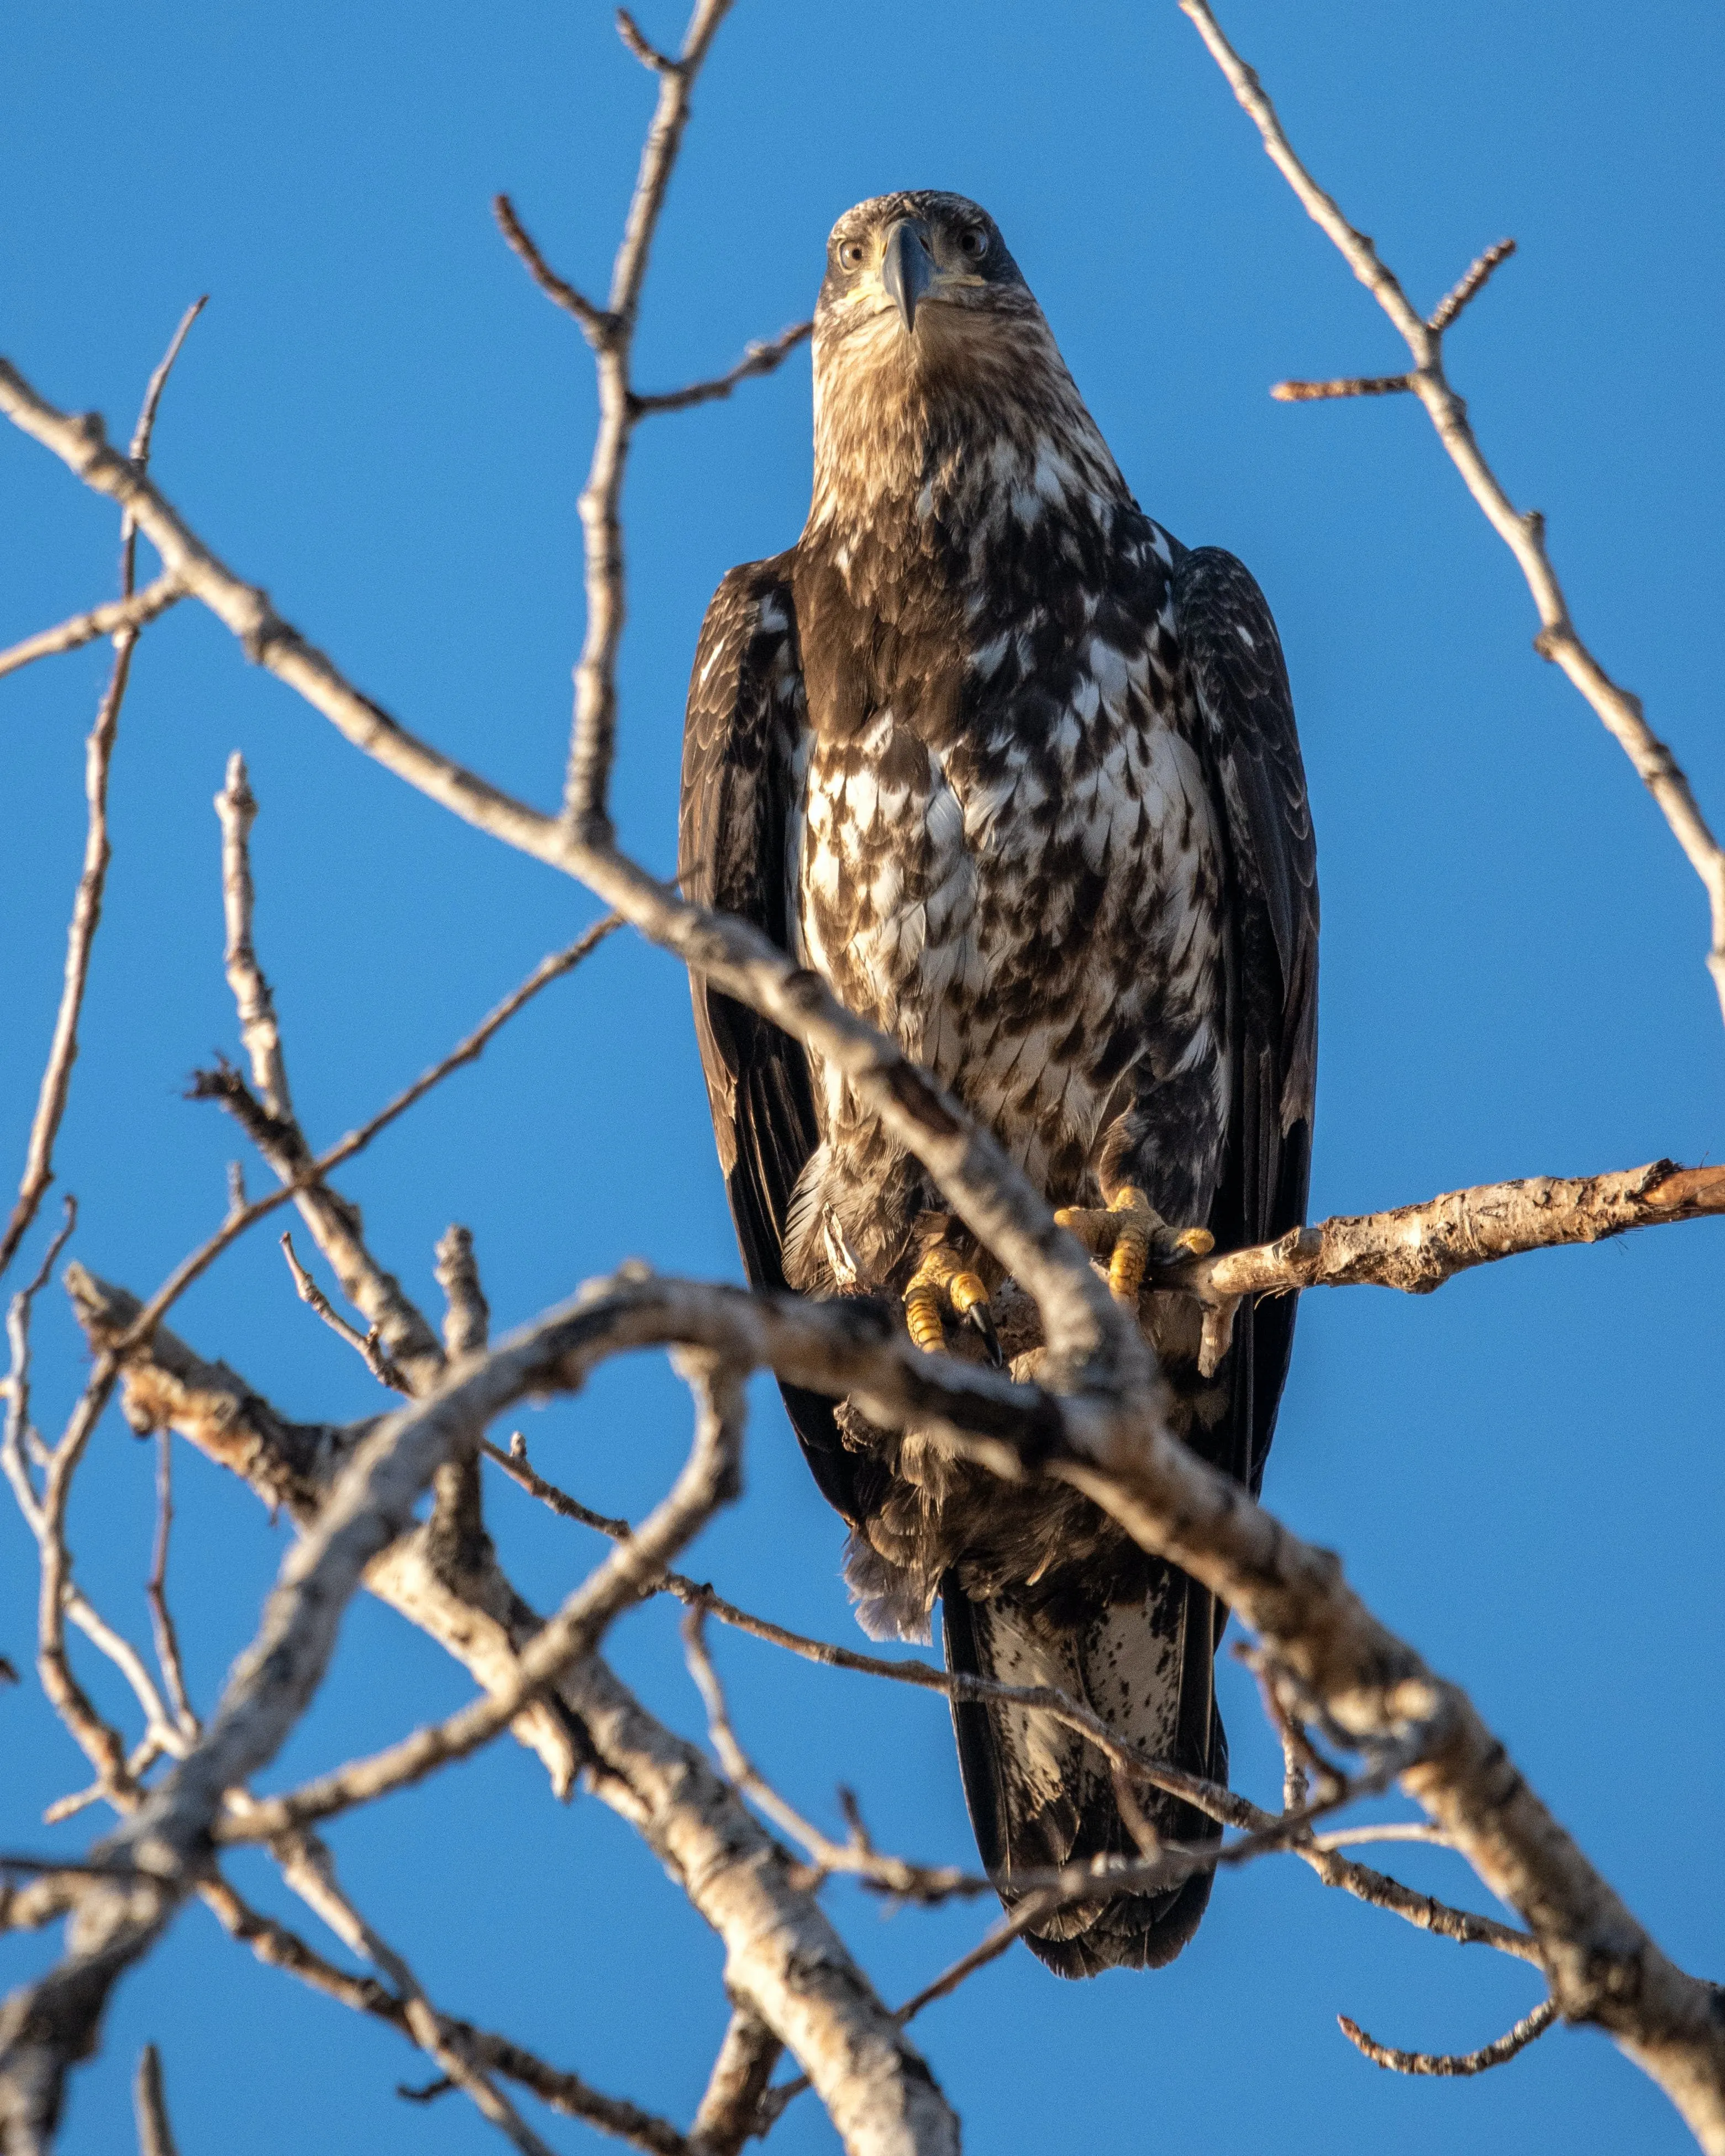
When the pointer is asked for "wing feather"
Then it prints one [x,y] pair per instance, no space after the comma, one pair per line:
[1240,680]
[745,714]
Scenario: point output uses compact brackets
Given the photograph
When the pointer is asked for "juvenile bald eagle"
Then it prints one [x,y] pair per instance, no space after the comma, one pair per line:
[1016,773]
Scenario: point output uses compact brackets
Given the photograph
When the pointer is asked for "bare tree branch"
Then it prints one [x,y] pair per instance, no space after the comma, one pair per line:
[161,1621]
[730,2105]
[1347,385]
[404,1340]
[781,1955]
[114,617]
[149,2104]
[1448,2064]
[1470,286]
[710,1478]
[310,1871]
[279,1948]
[1417,1248]
[237,811]
[557,288]
[761,358]
[467,1319]
[87,903]
[367,1345]
[143,434]
[1337,1664]
[1524,535]
[245,1216]
[593,739]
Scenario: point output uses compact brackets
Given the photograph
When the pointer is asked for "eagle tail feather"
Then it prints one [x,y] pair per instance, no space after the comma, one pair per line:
[1041,1795]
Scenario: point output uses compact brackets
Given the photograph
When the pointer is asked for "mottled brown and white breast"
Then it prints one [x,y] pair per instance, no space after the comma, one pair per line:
[1030,909]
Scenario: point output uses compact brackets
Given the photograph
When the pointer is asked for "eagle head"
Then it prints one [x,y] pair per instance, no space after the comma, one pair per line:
[904,262]
[930,351]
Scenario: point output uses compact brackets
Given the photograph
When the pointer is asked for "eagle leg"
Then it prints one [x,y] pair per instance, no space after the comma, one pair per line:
[942,1279]
[1127,1231]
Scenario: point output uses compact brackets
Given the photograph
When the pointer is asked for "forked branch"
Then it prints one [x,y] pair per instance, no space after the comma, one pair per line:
[1522,533]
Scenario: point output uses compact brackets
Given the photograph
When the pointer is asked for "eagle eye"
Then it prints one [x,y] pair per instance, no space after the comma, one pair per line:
[851,254]
[973,243]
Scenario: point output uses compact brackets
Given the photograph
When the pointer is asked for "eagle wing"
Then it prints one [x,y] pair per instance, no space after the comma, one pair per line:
[1240,682]
[746,712]
[1143,1653]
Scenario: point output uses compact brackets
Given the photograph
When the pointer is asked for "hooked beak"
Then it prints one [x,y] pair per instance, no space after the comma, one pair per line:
[906,268]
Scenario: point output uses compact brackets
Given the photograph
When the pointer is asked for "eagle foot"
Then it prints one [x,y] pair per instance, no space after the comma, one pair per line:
[944,1281]
[1128,1231]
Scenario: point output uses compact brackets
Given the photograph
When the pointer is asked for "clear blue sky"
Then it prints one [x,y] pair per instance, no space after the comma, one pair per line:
[382,422]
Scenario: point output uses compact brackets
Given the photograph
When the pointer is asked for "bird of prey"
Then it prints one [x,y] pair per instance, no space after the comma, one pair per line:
[1016,773]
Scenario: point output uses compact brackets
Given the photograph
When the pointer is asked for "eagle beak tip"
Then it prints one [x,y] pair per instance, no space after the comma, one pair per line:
[906,270]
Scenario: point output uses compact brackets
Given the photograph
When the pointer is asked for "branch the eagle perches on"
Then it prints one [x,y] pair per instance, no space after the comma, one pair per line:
[1094,1423]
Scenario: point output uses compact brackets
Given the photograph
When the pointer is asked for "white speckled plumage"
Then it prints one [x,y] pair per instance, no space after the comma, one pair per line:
[1016,773]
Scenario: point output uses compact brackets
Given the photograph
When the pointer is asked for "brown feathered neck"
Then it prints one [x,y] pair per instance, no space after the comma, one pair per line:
[969,422]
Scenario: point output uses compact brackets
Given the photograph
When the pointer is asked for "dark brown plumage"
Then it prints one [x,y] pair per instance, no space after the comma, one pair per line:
[1016,773]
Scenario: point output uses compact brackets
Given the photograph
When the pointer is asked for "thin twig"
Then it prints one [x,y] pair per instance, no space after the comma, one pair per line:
[111,619]
[17,1430]
[139,1761]
[594,319]
[1470,286]
[308,1869]
[1347,385]
[193,1267]
[367,1345]
[920,1882]
[760,358]
[1448,2063]
[145,429]
[279,1948]
[1212,1798]
[161,1622]
[237,810]
[150,2106]
[44,1514]
[87,903]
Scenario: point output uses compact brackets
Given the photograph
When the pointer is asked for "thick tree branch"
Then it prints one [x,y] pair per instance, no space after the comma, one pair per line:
[1523,534]
[710,1478]
[1417,1248]
[1324,1653]
[783,1956]
[730,2105]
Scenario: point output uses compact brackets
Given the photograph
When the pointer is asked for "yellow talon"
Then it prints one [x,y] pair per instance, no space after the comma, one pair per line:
[1131,1244]
[1126,1231]
[943,1275]
[922,1314]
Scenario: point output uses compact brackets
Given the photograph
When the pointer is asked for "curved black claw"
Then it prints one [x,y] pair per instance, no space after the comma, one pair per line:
[980,1316]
